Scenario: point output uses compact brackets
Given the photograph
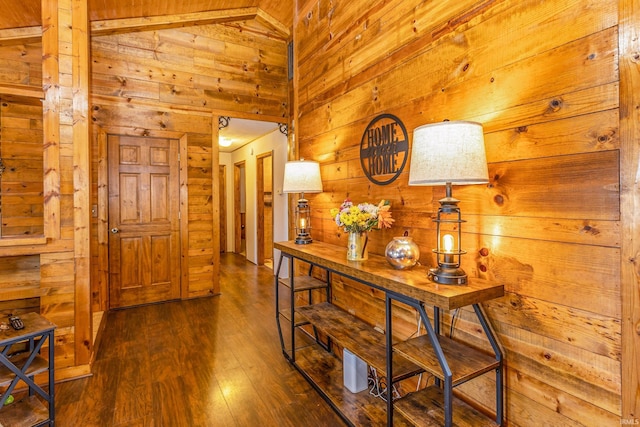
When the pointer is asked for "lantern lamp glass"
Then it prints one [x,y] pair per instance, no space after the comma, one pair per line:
[448,234]
[303,223]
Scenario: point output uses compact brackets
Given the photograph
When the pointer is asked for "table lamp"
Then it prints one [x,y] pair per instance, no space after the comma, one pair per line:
[448,153]
[302,176]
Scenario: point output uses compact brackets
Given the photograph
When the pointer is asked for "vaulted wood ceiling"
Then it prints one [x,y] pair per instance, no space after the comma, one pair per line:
[26,13]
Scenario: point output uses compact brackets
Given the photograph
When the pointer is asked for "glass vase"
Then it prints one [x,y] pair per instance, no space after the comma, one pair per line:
[357,246]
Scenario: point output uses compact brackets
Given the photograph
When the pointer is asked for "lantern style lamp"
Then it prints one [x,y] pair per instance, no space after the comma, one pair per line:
[448,153]
[302,176]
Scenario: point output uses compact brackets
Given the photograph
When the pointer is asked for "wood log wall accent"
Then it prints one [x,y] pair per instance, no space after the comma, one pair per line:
[542,77]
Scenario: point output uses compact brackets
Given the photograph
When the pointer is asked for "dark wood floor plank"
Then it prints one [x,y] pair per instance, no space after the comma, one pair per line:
[171,402]
[204,362]
[98,399]
[132,401]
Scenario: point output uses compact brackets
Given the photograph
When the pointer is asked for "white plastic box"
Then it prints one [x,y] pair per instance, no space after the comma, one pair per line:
[354,372]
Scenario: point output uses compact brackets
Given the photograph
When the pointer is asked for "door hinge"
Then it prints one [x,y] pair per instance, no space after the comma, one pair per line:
[179,217]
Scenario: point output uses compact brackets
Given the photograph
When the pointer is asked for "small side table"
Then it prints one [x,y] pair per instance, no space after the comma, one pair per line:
[21,360]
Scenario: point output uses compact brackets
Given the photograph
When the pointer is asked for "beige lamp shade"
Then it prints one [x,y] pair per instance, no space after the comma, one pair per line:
[448,152]
[302,176]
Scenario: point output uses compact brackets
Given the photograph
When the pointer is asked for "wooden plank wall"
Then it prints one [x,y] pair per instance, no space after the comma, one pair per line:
[170,83]
[542,77]
[21,143]
[40,271]
[21,180]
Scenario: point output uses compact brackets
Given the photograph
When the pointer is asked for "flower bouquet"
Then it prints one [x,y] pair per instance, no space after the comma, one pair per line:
[358,220]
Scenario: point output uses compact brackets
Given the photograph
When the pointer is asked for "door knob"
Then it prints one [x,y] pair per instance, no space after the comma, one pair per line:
[115,230]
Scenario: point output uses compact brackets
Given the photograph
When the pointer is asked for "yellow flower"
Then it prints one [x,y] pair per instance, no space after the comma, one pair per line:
[362,217]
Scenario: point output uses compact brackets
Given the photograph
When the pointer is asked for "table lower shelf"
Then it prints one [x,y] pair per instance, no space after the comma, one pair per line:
[358,337]
[37,366]
[426,408]
[26,412]
[324,371]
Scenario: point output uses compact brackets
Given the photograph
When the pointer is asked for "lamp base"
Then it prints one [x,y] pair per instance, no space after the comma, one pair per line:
[303,239]
[447,275]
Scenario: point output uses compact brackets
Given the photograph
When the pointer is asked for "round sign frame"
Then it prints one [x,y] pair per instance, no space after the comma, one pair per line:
[379,149]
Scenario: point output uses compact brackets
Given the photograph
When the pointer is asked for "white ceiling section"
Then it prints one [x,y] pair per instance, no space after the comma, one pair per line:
[240,132]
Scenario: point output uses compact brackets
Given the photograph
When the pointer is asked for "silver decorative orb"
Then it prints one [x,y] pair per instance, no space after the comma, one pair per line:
[402,253]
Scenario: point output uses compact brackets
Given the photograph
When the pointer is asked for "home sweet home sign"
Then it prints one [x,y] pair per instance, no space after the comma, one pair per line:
[384,149]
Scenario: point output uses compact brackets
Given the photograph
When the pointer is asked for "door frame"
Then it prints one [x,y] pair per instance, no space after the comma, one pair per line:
[237,222]
[103,207]
[222,174]
[260,184]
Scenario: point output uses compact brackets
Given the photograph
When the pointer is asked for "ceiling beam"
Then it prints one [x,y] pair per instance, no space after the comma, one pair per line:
[13,36]
[150,23]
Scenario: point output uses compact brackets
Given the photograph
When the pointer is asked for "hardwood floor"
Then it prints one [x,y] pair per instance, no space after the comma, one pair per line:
[203,362]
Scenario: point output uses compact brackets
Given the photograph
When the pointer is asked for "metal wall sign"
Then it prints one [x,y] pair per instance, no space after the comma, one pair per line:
[384,149]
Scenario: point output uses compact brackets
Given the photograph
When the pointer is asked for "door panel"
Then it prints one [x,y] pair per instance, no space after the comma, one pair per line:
[144,251]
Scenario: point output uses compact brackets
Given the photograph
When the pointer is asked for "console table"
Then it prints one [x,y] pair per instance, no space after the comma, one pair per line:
[450,361]
[21,360]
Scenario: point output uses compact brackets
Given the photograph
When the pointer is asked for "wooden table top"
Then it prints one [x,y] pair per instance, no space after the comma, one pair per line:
[377,272]
[34,324]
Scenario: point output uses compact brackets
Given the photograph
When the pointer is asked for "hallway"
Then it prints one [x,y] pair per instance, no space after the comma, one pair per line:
[202,362]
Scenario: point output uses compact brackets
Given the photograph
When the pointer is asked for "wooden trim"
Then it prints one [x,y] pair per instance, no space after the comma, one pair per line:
[147,133]
[270,22]
[629,45]
[294,101]
[222,174]
[99,322]
[145,105]
[103,220]
[51,119]
[215,194]
[250,116]
[22,91]
[23,35]
[22,241]
[127,25]
[81,182]
[184,217]
[51,246]
[260,209]
[70,373]
[260,184]
[237,231]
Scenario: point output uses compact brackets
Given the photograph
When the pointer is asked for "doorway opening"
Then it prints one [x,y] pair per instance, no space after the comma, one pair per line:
[264,205]
[240,208]
[223,207]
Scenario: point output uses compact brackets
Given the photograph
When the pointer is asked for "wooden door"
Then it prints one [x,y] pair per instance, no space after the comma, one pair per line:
[144,245]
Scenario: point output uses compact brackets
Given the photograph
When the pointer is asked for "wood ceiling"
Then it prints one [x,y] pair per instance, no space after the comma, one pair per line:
[26,13]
